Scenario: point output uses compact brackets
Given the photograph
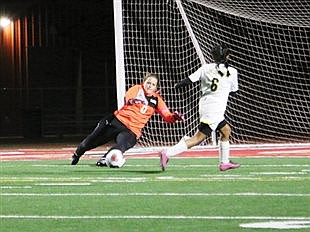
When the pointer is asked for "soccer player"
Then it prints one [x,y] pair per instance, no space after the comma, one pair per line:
[217,81]
[125,125]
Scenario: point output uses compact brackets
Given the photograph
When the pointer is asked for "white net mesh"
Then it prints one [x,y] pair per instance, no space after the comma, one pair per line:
[270,44]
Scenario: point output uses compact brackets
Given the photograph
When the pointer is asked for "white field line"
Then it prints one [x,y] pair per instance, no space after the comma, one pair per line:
[214,165]
[31,156]
[284,152]
[168,179]
[278,173]
[171,165]
[15,187]
[154,149]
[63,184]
[153,217]
[7,157]
[267,176]
[245,194]
[290,224]
[151,150]
[232,146]
[12,153]
[176,165]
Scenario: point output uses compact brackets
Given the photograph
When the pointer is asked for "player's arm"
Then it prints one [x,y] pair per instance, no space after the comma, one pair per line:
[183,83]
[233,94]
[234,86]
[165,113]
[192,78]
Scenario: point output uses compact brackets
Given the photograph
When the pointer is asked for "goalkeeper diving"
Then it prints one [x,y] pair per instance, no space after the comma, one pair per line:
[125,125]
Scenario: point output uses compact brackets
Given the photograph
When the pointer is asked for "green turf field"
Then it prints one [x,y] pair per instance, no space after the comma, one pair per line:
[192,195]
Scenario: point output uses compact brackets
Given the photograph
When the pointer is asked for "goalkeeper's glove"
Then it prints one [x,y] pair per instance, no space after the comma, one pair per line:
[134,101]
[178,116]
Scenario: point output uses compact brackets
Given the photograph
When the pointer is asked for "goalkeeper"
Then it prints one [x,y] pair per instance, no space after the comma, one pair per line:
[217,81]
[125,125]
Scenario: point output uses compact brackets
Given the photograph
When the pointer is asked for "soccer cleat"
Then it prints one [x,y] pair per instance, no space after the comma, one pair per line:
[230,165]
[75,159]
[163,160]
[102,162]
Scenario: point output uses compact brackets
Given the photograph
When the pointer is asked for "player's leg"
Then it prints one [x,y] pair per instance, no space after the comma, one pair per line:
[185,143]
[125,140]
[224,147]
[96,138]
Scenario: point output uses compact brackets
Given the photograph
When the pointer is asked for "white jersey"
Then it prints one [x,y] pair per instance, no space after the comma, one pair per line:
[215,91]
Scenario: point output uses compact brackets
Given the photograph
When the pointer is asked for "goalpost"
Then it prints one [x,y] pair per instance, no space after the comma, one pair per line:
[270,44]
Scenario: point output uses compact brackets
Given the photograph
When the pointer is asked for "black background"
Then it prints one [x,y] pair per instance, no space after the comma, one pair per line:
[65,79]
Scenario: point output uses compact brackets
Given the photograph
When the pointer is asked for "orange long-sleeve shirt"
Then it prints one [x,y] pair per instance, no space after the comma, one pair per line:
[135,116]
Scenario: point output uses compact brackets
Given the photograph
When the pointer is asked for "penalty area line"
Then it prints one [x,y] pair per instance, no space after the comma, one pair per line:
[152,217]
[241,194]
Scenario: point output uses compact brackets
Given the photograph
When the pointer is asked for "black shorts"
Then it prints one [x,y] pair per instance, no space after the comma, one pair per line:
[205,128]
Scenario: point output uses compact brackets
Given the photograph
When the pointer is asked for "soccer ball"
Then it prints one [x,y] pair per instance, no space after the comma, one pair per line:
[115,159]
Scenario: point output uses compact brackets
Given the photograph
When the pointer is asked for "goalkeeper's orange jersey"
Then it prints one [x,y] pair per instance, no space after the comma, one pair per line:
[135,116]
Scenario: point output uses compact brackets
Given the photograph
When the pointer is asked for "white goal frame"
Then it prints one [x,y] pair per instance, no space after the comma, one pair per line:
[261,19]
[119,53]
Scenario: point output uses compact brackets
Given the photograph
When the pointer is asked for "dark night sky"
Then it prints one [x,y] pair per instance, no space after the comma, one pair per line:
[66,40]
[84,26]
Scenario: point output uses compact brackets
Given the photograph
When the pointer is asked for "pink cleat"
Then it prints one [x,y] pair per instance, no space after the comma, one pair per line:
[230,165]
[163,160]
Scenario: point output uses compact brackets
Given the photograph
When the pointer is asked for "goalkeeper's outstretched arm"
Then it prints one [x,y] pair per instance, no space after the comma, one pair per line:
[183,83]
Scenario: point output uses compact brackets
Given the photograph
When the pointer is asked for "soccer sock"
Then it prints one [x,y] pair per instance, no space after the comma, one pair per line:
[224,152]
[177,149]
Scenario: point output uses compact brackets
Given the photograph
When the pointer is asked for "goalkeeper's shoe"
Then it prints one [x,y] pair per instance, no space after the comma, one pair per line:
[102,162]
[75,159]
[230,165]
[163,160]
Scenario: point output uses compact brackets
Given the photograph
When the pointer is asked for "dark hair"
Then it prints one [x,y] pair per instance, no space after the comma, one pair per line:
[219,53]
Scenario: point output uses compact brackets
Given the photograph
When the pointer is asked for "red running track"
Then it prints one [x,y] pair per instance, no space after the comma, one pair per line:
[65,153]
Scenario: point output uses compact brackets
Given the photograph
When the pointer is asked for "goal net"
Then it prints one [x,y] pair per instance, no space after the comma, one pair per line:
[270,44]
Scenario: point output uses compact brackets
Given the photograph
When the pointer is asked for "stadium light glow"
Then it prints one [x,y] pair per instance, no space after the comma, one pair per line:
[4,22]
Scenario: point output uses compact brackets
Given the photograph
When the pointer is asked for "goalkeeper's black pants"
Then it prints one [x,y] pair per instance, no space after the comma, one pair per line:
[108,129]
